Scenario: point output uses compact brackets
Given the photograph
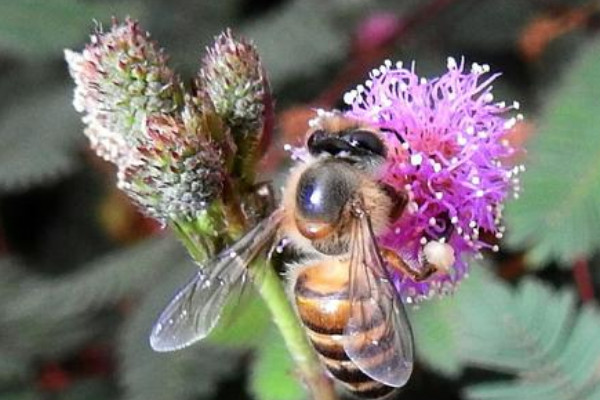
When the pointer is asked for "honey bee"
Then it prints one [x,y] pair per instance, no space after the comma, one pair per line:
[333,208]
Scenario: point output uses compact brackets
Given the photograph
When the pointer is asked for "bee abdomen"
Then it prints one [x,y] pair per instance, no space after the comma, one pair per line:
[334,358]
[371,390]
[324,310]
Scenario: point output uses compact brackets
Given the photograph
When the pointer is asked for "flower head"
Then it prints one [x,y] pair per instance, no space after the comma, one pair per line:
[121,77]
[447,149]
[178,171]
[233,78]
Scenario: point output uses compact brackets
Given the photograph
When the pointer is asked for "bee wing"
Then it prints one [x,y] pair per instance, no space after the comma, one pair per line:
[196,308]
[378,337]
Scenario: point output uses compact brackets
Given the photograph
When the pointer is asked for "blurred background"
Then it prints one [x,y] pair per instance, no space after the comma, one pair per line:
[83,274]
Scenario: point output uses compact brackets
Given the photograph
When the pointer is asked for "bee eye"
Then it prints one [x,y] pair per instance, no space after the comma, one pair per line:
[315,137]
[366,141]
[320,142]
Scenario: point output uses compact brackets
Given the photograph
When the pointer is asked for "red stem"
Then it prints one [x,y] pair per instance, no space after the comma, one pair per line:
[583,280]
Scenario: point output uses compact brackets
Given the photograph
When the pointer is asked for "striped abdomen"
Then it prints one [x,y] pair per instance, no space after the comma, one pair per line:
[321,292]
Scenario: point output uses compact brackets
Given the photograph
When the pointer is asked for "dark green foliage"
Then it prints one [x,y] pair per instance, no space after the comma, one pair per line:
[477,25]
[532,333]
[26,338]
[558,216]
[296,40]
[98,284]
[536,334]
[437,334]
[38,28]
[41,123]
[273,376]
[188,374]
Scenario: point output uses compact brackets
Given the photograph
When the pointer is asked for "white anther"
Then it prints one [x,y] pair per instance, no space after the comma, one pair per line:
[451,63]
[416,159]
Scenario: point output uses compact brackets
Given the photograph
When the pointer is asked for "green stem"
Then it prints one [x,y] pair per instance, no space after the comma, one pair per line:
[188,237]
[284,316]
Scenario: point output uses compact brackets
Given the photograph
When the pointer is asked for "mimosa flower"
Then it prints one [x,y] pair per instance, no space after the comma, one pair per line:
[448,149]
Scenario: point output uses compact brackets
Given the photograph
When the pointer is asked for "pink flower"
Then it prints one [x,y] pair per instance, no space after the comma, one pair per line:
[448,149]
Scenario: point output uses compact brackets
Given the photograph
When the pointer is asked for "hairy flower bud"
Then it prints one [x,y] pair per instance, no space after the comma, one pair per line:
[121,77]
[178,172]
[233,78]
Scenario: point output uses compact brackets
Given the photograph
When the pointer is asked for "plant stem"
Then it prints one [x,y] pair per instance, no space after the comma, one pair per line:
[583,280]
[196,250]
[284,316]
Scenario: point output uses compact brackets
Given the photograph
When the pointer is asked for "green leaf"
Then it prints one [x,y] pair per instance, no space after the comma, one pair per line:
[296,40]
[533,333]
[558,215]
[436,331]
[39,134]
[38,28]
[273,376]
[244,323]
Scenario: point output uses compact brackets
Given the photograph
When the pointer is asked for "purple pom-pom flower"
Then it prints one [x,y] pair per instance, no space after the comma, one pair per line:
[448,149]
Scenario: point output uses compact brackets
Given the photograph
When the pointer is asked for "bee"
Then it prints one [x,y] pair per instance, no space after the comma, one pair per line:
[333,208]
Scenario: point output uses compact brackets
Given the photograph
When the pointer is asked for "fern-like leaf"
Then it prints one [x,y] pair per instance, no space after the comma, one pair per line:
[39,136]
[30,337]
[534,333]
[100,283]
[436,329]
[557,217]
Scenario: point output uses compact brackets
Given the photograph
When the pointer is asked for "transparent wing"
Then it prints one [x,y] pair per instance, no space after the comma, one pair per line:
[378,337]
[195,309]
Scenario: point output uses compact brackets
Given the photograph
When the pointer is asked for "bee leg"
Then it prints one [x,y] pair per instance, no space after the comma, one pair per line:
[399,201]
[394,261]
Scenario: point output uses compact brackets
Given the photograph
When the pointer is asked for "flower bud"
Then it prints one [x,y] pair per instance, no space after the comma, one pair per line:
[233,78]
[121,77]
[178,172]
